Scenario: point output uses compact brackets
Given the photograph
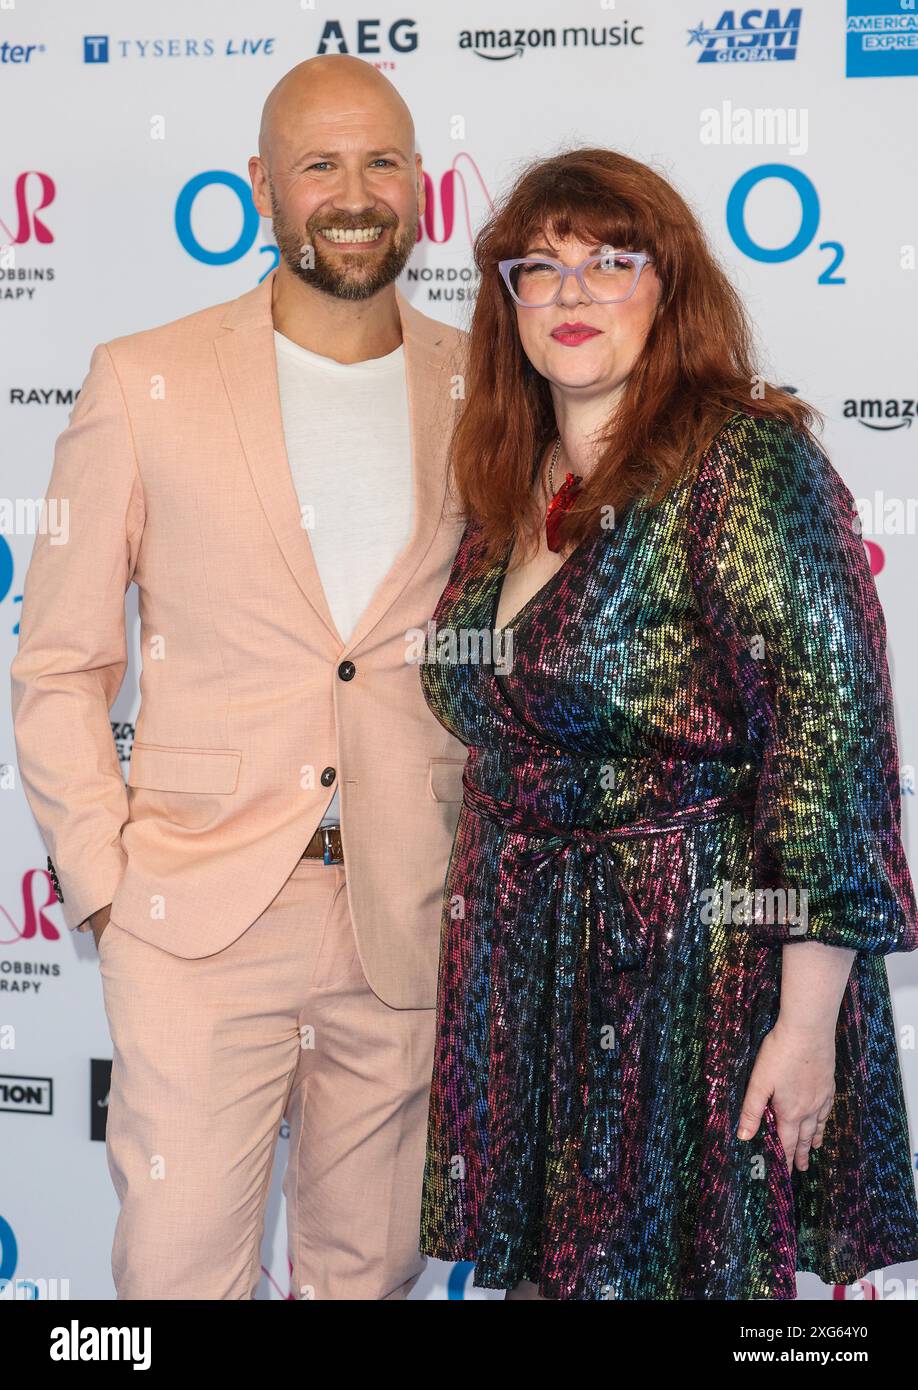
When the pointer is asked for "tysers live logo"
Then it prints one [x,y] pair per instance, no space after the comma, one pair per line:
[101,48]
[756,36]
[808,199]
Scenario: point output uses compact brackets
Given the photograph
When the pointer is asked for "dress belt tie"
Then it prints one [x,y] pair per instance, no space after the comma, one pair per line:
[593,941]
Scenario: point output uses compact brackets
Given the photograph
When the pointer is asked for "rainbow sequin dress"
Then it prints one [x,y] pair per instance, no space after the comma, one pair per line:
[698,712]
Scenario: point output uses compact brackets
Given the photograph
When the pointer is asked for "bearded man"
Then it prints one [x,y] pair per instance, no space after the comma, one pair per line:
[265,891]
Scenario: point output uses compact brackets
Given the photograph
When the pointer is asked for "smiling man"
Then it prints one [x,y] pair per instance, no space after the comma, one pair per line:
[265,892]
[313,174]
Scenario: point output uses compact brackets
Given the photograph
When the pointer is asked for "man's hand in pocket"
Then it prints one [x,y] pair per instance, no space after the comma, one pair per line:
[98,922]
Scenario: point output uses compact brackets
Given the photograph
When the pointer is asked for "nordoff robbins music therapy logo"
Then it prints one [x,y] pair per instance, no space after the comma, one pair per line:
[463,646]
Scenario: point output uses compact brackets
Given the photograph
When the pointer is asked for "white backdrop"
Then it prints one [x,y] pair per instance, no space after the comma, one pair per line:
[124,204]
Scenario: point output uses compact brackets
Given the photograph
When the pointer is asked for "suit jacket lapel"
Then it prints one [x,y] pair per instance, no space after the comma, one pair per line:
[245,350]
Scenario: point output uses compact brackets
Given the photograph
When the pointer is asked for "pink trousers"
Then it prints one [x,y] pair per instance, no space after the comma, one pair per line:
[209,1054]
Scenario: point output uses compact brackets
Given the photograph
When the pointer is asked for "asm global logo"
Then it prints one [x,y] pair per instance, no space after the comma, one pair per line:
[757,36]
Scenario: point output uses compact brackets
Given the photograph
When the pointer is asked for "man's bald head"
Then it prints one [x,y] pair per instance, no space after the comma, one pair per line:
[326,90]
[338,174]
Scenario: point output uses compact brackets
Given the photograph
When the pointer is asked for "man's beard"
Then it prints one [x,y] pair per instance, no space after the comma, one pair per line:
[355,279]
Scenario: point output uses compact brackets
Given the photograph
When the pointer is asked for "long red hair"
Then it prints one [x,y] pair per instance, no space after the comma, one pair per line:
[695,369]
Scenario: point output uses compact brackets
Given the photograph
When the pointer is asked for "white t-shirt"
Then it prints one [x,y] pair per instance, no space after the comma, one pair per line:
[348,438]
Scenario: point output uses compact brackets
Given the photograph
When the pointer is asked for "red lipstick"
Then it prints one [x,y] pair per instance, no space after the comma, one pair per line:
[573,334]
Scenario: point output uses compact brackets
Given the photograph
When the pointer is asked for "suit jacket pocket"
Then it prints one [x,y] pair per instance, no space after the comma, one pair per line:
[444,778]
[160,768]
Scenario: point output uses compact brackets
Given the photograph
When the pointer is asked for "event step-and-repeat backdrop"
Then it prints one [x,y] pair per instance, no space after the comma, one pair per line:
[125,202]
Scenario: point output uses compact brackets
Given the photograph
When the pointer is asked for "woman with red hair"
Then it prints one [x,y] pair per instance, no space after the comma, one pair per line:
[666,1065]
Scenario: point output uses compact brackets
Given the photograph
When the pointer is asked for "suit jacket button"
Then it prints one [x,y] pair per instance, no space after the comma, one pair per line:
[347,670]
[328,776]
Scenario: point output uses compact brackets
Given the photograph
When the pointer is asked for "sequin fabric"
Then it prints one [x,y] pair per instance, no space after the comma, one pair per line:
[698,698]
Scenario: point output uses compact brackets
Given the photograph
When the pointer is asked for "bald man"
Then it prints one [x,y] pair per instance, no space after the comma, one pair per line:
[265,892]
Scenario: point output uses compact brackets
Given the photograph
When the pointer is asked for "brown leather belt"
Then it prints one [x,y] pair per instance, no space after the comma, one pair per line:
[325,845]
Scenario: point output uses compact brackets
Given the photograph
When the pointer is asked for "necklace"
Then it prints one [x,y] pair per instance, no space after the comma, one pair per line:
[560,501]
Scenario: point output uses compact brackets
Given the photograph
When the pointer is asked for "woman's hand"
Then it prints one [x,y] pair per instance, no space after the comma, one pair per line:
[795,1070]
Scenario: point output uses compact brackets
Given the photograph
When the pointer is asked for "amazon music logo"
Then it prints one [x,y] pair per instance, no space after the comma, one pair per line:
[881,415]
[497,45]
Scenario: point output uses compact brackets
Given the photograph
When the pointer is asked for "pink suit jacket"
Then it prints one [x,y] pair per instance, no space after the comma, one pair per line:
[175,473]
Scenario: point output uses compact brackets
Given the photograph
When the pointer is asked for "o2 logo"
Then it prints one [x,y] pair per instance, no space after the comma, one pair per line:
[251,222]
[6,576]
[9,1252]
[809,220]
[460,1278]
